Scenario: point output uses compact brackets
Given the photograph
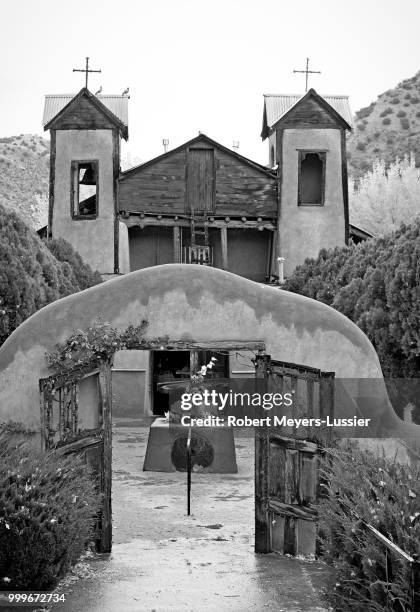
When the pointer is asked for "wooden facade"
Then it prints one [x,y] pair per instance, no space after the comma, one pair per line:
[204,196]
[201,174]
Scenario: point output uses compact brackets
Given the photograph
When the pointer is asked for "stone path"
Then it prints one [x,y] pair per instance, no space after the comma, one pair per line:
[163,560]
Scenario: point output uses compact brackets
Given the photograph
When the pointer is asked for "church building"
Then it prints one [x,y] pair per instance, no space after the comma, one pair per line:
[200,203]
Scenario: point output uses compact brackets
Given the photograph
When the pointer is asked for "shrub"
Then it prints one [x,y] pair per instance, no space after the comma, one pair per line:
[366,111]
[376,149]
[30,275]
[386,111]
[361,146]
[386,121]
[415,100]
[405,123]
[47,512]
[64,252]
[418,114]
[383,493]
[375,285]
[401,113]
[361,127]
[407,96]
[395,101]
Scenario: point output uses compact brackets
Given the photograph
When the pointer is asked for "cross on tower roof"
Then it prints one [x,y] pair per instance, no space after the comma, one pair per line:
[86,71]
[306,72]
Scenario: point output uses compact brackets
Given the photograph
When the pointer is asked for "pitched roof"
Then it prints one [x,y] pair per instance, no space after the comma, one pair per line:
[276,106]
[214,143]
[116,107]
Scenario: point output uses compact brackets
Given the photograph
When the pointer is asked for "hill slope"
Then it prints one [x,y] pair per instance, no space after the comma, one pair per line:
[24,171]
[387,128]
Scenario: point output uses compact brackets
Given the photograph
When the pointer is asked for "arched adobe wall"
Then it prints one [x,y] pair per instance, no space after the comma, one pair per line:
[188,302]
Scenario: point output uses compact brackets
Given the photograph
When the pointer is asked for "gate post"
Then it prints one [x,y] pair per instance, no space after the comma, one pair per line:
[262,526]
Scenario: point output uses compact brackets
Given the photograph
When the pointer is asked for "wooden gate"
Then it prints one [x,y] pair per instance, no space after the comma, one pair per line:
[76,418]
[286,458]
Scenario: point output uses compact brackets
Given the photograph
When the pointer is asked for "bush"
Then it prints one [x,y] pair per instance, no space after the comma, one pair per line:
[366,111]
[405,123]
[385,494]
[375,285]
[395,101]
[30,275]
[47,513]
[361,146]
[387,111]
[401,113]
[415,100]
[386,121]
[64,252]
[361,127]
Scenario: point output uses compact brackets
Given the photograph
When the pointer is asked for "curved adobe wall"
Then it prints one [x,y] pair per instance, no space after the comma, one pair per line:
[196,303]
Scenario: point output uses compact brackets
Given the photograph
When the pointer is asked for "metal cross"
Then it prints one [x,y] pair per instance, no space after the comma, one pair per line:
[306,72]
[86,71]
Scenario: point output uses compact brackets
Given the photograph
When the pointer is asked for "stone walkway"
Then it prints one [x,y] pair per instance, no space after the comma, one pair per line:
[165,561]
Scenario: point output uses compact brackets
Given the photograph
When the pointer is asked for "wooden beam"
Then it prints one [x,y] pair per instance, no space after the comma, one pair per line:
[138,221]
[193,363]
[262,446]
[224,245]
[210,345]
[177,244]
[105,543]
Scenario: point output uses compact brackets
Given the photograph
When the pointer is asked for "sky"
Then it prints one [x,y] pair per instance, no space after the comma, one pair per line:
[200,66]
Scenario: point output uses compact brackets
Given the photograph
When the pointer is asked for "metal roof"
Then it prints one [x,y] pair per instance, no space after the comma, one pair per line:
[277,105]
[116,104]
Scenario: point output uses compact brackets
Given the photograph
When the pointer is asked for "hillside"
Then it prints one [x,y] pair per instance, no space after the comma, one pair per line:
[387,128]
[24,170]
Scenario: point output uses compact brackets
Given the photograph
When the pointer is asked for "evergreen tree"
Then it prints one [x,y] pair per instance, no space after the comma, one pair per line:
[30,274]
[376,284]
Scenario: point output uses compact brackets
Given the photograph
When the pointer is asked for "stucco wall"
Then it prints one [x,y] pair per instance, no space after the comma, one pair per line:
[189,302]
[92,238]
[123,248]
[304,230]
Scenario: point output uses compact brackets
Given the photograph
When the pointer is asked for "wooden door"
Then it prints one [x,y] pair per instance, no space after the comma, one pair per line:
[287,485]
[200,180]
[76,418]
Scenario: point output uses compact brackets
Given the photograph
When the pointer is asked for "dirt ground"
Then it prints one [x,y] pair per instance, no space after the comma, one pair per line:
[163,560]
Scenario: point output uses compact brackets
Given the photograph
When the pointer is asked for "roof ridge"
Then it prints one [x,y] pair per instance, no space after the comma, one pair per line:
[294,95]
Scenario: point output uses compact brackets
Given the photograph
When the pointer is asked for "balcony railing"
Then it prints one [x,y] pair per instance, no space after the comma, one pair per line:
[201,255]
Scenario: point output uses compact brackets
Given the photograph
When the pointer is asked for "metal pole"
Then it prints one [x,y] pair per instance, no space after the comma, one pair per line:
[189,472]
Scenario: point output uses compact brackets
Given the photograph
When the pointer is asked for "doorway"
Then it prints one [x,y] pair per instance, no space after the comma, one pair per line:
[171,371]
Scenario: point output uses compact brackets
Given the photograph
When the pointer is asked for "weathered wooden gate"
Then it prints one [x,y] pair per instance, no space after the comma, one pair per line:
[287,483]
[76,418]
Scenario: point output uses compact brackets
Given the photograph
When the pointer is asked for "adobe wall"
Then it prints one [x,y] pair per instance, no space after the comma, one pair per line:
[188,302]
[305,230]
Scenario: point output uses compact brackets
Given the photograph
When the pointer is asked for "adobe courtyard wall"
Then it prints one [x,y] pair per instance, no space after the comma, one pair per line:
[188,302]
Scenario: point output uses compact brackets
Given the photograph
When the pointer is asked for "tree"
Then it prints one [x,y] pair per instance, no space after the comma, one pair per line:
[385,196]
[376,284]
[30,275]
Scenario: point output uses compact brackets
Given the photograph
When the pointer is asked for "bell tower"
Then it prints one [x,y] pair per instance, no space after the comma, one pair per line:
[307,145]
[86,132]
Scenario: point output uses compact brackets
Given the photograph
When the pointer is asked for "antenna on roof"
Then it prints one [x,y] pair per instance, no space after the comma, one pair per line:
[165,143]
[235,144]
[99,91]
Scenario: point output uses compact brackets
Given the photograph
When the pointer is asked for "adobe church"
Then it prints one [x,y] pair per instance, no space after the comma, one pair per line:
[200,203]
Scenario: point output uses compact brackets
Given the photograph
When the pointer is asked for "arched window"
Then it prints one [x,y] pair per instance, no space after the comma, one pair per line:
[311,181]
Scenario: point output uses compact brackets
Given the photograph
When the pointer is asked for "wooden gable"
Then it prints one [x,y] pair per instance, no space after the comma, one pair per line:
[312,111]
[86,112]
[219,180]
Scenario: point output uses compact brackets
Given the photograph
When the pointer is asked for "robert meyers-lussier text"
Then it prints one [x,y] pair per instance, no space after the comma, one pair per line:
[284,421]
